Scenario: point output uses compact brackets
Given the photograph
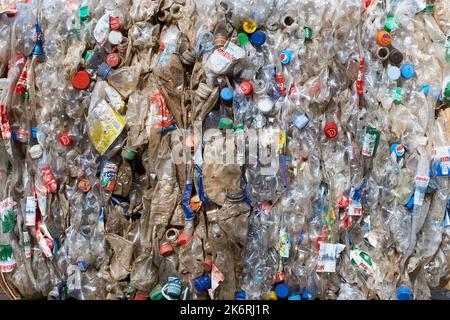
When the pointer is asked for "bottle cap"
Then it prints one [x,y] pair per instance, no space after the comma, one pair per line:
[258,38]
[183,238]
[240,295]
[226,94]
[300,120]
[407,71]
[187,57]
[308,33]
[307,295]
[393,73]
[65,139]
[272,295]
[156,294]
[282,290]
[128,154]
[395,57]
[84,185]
[426,88]
[202,283]
[398,95]
[83,265]
[20,135]
[35,151]
[113,60]
[81,80]
[384,38]
[225,123]
[84,13]
[249,25]
[114,23]
[246,88]
[243,39]
[382,53]
[165,249]
[265,105]
[115,37]
[398,149]
[330,130]
[34,132]
[295,297]
[404,293]
[390,24]
[285,56]
[280,276]
[141,295]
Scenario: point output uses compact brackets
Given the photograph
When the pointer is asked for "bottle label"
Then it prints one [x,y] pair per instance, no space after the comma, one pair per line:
[368,145]
[41,193]
[328,253]
[45,240]
[362,261]
[104,126]
[224,57]
[285,243]
[48,179]
[26,244]
[7,260]
[355,208]
[216,278]
[109,175]
[30,212]
[421,183]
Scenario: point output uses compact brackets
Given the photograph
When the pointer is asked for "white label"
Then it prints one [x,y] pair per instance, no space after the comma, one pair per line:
[422,182]
[224,57]
[41,193]
[328,253]
[355,208]
[30,212]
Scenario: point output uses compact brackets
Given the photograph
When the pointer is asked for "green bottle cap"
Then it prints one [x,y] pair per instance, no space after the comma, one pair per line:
[390,24]
[239,127]
[87,55]
[156,294]
[128,154]
[308,33]
[225,123]
[84,12]
[243,39]
[398,96]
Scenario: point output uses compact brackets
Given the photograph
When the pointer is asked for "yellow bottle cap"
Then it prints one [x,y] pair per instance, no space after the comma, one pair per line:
[249,25]
[273,295]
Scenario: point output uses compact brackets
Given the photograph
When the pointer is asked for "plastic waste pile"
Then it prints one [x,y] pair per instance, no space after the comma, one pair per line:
[234,149]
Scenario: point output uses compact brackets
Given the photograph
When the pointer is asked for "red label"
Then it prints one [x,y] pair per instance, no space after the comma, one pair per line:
[5,128]
[49,179]
[360,79]
[114,23]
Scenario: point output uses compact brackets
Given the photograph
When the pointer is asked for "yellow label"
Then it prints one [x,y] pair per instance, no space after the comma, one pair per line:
[249,25]
[104,126]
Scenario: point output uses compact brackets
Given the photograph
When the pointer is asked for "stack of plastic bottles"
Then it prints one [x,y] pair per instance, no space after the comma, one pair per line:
[234,149]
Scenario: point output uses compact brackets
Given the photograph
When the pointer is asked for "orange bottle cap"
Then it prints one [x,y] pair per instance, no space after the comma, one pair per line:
[384,38]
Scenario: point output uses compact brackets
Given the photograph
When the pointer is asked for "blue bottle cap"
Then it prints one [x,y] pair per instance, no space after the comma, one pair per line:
[282,290]
[357,194]
[34,132]
[295,297]
[226,94]
[258,38]
[202,283]
[83,265]
[285,56]
[404,293]
[240,295]
[103,70]
[307,295]
[426,88]
[410,203]
[398,149]
[407,71]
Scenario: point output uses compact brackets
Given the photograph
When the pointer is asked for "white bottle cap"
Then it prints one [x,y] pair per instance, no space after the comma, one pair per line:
[115,37]
[35,151]
[265,105]
[393,73]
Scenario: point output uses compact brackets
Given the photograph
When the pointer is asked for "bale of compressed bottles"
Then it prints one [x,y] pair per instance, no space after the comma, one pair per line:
[229,149]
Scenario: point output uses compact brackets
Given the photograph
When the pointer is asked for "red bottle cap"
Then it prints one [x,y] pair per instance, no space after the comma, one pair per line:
[246,88]
[114,23]
[280,276]
[330,130]
[343,202]
[113,60]
[81,80]
[165,249]
[65,139]
[183,238]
